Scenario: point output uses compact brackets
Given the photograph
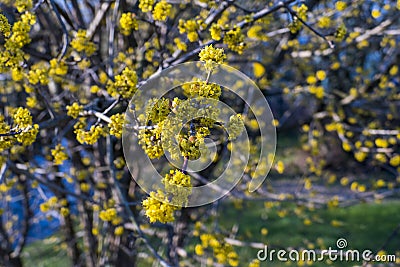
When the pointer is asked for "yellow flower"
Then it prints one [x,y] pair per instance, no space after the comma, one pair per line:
[74,110]
[161,10]
[395,161]
[215,31]
[157,208]
[119,230]
[146,5]
[23,5]
[82,44]
[235,126]
[59,154]
[340,5]
[128,23]
[58,68]
[124,85]
[235,40]
[179,44]
[280,167]
[212,56]
[375,13]
[321,75]
[198,249]
[89,137]
[108,214]
[5,27]
[116,124]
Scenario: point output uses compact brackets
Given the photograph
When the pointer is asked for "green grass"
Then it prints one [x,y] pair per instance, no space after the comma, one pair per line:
[364,226]
[46,253]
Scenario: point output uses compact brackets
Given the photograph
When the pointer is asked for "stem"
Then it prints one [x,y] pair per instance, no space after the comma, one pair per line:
[185,164]
[330,43]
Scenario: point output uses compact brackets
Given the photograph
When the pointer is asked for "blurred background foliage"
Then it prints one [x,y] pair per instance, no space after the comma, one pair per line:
[329,70]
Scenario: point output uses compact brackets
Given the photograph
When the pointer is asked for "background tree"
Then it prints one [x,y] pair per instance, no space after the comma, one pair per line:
[329,70]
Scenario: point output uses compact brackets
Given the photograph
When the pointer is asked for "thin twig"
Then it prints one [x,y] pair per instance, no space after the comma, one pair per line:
[64,29]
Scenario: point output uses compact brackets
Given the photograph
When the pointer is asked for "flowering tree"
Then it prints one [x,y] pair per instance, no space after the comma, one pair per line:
[70,69]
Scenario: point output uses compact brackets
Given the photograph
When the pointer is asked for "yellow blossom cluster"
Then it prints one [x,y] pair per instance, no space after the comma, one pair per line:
[38,74]
[22,131]
[235,126]
[216,31]
[128,23]
[57,68]
[191,28]
[90,137]
[59,154]
[202,89]
[116,124]
[53,203]
[15,40]
[150,140]
[178,185]
[179,44]
[295,25]
[124,84]
[108,215]
[5,27]
[81,43]
[158,208]
[161,10]
[235,40]
[146,5]
[74,110]
[211,56]
[223,252]
[23,5]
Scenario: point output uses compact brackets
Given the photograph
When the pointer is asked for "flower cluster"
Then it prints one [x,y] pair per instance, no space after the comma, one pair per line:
[161,10]
[190,146]
[26,131]
[202,89]
[340,32]
[146,5]
[216,31]
[74,110]
[179,186]
[212,56]
[38,74]
[223,252]
[235,126]
[235,40]
[15,41]
[108,215]
[128,23]
[158,109]
[158,208]
[191,27]
[5,27]
[124,84]
[295,25]
[5,141]
[81,43]
[179,127]
[53,203]
[23,5]
[116,124]
[59,154]
[90,137]
[57,68]
[150,140]
[179,44]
